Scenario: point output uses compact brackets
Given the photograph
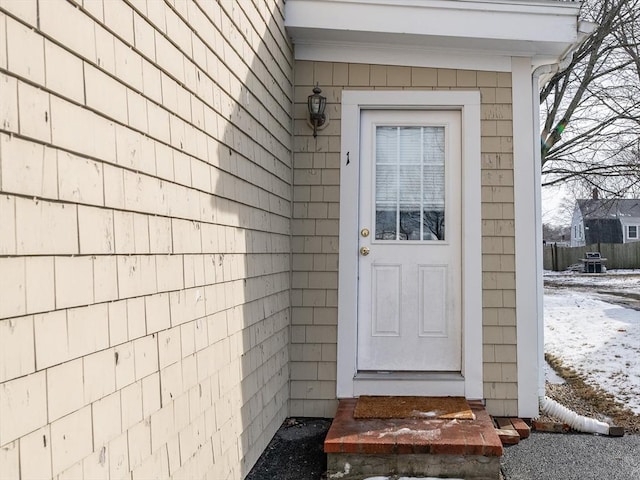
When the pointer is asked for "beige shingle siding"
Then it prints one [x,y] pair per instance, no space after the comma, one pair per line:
[498,245]
[145,198]
[315,227]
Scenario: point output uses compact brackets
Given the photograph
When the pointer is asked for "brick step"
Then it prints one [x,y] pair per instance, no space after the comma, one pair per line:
[548,426]
[511,430]
[414,447]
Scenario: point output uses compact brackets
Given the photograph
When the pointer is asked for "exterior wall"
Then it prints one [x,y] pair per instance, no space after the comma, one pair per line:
[577,228]
[145,202]
[602,230]
[315,227]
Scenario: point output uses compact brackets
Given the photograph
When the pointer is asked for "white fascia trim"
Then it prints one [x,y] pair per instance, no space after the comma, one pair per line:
[468,102]
[528,21]
[482,5]
[528,233]
[400,56]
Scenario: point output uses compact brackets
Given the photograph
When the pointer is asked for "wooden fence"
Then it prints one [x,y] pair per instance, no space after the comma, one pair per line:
[618,255]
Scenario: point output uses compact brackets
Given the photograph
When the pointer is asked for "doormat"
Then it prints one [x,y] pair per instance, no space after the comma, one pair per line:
[413,407]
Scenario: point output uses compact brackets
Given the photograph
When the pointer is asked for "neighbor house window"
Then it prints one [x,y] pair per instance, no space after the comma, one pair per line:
[632,231]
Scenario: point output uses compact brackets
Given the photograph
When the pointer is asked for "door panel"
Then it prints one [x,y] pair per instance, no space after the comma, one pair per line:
[432,293]
[409,299]
[387,300]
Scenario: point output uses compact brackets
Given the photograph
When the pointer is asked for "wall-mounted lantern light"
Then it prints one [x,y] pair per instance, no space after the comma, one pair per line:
[316,104]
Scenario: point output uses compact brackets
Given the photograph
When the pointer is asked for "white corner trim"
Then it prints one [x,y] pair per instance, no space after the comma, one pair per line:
[468,102]
[472,250]
[528,232]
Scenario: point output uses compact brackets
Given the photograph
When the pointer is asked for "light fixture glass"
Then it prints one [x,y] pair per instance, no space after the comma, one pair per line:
[316,104]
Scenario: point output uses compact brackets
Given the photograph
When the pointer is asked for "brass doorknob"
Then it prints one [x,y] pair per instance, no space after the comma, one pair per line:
[364,251]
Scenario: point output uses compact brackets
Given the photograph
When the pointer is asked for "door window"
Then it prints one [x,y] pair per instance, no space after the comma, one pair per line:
[410,183]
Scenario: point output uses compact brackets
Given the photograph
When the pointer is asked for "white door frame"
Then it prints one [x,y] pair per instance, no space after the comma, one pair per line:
[415,282]
[349,384]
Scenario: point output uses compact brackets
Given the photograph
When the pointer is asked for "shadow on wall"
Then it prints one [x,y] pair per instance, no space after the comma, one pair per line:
[245,233]
[239,294]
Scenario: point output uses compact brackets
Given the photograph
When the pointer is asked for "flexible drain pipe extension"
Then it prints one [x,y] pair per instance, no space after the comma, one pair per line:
[571,418]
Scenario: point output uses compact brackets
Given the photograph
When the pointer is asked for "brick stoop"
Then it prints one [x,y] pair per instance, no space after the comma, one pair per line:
[360,448]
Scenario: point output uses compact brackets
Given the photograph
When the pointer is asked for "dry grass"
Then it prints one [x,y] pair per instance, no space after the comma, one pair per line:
[587,400]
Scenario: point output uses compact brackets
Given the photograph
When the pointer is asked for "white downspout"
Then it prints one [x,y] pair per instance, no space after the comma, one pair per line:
[537,158]
[571,418]
[547,405]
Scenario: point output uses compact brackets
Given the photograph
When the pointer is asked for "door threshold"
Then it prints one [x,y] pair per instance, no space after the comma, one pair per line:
[435,384]
[419,376]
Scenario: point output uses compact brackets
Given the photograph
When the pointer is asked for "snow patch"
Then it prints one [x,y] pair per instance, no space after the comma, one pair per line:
[416,413]
[430,434]
[598,340]
[551,376]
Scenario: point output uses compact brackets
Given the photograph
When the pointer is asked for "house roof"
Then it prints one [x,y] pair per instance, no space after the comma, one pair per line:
[604,208]
[400,32]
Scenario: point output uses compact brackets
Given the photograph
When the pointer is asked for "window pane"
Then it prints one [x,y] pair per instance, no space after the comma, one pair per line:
[410,187]
[386,201]
[410,193]
[433,184]
[409,225]
[433,225]
[386,144]
[385,225]
[410,144]
[434,145]
[387,186]
[433,178]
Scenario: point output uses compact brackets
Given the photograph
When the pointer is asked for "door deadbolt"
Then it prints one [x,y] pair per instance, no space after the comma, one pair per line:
[364,232]
[364,251]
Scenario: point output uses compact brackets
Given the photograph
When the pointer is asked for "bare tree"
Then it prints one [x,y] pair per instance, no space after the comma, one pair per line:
[591,109]
[555,233]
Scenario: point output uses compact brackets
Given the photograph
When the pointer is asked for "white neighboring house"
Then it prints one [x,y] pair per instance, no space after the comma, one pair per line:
[605,221]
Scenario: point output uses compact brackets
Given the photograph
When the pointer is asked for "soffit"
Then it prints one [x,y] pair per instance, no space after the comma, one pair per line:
[543,30]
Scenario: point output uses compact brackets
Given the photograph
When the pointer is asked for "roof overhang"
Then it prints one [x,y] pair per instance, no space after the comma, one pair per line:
[407,32]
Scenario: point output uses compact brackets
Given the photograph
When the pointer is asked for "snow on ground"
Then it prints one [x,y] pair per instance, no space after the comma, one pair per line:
[551,376]
[598,340]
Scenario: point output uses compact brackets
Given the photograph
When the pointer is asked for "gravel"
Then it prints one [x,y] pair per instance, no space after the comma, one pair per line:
[295,452]
[550,456]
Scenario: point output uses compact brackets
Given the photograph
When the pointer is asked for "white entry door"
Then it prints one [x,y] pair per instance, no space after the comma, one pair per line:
[410,266]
